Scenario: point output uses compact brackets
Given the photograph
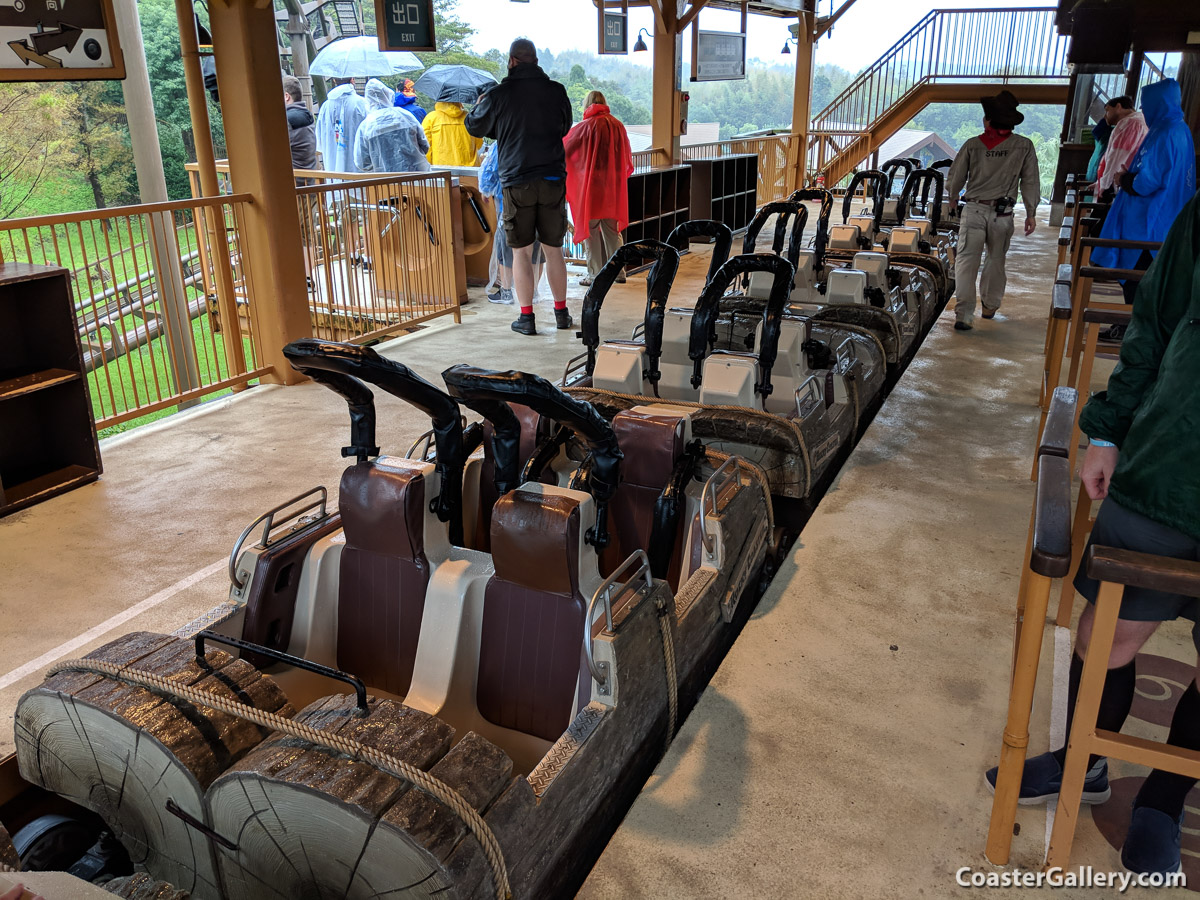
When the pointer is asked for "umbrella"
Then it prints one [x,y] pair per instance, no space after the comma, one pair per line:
[360,57]
[454,84]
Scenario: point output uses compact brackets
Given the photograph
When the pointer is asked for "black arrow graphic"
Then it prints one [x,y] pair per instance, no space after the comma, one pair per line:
[66,36]
[28,56]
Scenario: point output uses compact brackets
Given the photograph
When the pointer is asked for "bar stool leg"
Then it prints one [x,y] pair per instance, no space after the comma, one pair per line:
[1016,728]
[1080,526]
[1083,385]
[1083,729]
[1083,288]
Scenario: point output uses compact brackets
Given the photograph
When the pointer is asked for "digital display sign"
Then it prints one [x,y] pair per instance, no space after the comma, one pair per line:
[720,56]
[405,25]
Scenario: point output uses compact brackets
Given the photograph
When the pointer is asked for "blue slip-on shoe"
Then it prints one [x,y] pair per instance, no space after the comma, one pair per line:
[1042,780]
[1153,842]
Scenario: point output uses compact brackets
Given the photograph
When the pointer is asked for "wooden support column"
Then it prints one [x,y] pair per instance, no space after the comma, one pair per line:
[247,54]
[664,130]
[802,98]
[1133,76]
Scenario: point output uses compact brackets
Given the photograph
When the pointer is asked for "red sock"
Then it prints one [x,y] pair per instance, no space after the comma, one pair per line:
[562,305]
[527,310]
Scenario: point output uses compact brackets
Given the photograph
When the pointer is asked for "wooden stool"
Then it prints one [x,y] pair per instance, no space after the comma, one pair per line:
[1097,315]
[1114,569]
[1054,440]
[1049,558]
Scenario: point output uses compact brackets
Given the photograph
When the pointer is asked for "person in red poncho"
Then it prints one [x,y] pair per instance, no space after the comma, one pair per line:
[599,163]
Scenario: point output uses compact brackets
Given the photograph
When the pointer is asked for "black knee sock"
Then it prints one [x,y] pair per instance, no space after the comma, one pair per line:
[1166,791]
[1115,700]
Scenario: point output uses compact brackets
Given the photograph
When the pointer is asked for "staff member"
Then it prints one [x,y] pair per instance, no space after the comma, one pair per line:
[991,165]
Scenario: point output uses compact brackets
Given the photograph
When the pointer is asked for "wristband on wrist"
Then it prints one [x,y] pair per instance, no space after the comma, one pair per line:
[1096,442]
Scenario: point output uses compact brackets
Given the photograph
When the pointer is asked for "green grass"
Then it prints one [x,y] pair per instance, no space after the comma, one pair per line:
[131,377]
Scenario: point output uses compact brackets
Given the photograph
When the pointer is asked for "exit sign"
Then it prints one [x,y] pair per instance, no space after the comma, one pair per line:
[615,38]
[405,25]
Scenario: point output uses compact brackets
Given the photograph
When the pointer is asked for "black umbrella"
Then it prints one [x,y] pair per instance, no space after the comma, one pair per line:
[453,84]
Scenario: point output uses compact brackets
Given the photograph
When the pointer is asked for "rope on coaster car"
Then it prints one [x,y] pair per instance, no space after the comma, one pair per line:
[385,762]
[664,625]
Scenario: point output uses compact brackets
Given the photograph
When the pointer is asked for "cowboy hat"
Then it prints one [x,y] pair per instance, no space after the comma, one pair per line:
[1001,110]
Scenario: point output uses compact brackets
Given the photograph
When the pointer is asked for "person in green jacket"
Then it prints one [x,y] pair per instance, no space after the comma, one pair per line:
[1144,447]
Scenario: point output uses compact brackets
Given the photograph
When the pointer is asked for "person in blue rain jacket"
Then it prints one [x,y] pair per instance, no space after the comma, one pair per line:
[1160,182]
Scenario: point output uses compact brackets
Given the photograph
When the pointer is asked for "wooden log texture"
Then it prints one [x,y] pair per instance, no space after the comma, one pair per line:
[8,853]
[126,752]
[142,887]
[309,822]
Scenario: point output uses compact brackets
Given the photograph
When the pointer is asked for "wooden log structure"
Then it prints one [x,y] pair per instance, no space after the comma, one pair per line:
[140,761]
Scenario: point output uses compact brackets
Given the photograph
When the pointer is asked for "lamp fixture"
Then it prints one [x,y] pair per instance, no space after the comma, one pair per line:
[787,44]
[640,45]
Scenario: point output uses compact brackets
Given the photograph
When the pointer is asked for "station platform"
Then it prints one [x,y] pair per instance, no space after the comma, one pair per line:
[840,749]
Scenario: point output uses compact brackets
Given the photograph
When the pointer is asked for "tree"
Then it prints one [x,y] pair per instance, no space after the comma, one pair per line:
[103,153]
[33,147]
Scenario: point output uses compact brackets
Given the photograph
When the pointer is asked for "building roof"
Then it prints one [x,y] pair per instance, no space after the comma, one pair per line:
[698,133]
[911,141]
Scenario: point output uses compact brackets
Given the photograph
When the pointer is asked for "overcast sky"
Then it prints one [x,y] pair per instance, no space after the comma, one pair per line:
[860,36]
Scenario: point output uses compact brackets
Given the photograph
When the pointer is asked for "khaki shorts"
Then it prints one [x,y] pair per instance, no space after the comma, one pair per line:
[535,211]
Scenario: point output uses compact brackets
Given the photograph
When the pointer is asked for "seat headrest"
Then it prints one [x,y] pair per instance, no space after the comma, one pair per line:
[651,442]
[383,507]
[535,541]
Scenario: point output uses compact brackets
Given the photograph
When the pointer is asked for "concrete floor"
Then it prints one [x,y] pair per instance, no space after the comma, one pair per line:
[839,750]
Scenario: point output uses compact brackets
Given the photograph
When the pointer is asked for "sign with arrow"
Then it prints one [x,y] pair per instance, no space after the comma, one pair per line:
[59,40]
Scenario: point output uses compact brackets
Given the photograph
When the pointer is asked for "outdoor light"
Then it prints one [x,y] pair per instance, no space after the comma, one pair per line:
[787,44]
[640,45]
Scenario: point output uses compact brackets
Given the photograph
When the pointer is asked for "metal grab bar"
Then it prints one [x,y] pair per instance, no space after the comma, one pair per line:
[805,405]
[269,518]
[711,488]
[604,592]
[427,440]
[360,689]
[574,365]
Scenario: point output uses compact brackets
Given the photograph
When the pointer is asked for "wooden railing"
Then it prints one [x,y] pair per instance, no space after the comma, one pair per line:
[378,250]
[995,46]
[159,289]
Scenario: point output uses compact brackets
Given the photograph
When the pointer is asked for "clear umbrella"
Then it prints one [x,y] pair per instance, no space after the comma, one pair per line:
[453,83]
[360,57]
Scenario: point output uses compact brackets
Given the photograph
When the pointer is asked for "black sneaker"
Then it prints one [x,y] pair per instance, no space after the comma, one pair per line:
[562,319]
[494,296]
[963,326]
[1113,334]
[1042,777]
[1153,842]
[524,324]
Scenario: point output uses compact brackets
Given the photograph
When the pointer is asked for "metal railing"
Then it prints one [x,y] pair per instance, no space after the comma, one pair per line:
[378,250]
[163,299]
[999,46]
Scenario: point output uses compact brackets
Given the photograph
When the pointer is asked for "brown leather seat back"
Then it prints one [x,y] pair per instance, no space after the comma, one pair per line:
[652,444]
[384,573]
[530,433]
[532,673]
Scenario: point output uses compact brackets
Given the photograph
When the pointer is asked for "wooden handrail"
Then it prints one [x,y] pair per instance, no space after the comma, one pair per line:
[1051,552]
[118,212]
[1144,570]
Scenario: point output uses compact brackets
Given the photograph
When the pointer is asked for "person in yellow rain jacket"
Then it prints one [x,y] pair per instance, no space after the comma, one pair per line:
[449,143]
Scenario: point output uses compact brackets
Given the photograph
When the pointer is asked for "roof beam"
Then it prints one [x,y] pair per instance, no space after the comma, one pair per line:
[823,25]
[687,18]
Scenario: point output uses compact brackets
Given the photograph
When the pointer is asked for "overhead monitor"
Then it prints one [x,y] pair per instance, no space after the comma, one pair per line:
[405,25]
[52,40]
[719,56]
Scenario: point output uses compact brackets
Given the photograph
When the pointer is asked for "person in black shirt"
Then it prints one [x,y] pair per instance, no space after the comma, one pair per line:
[528,115]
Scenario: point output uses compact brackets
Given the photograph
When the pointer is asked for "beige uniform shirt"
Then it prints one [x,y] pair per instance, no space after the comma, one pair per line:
[992,174]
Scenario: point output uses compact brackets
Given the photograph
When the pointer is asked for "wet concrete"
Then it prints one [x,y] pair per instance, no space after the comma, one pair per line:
[839,751]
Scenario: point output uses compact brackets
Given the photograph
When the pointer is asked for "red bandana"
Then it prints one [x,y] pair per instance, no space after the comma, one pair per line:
[991,137]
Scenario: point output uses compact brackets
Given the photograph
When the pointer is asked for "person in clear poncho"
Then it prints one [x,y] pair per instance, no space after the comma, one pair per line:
[390,139]
[338,121]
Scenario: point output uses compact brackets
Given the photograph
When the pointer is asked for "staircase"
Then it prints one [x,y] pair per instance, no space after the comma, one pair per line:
[950,56]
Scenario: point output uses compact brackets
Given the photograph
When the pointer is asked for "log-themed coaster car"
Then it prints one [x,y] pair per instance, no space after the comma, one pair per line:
[893,302]
[507,702]
[790,405]
[914,242]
